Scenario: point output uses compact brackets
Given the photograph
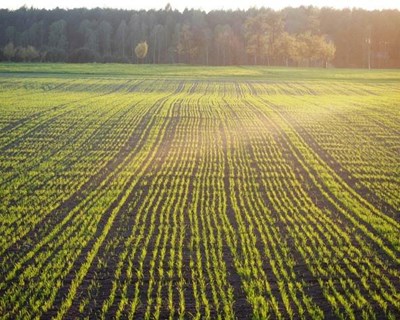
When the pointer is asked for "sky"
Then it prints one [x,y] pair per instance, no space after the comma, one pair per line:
[205,5]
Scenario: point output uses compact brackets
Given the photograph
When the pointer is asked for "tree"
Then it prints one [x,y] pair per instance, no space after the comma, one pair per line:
[286,48]
[171,24]
[327,52]
[141,50]
[158,36]
[9,51]
[207,34]
[368,45]
[275,26]
[224,39]
[89,31]
[314,49]
[104,33]
[121,38]
[255,32]
[134,33]
[308,47]
[34,34]
[256,36]
[11,34]
[302,19]
[58,35]
[21,54]
[31,53]
[168,7]
[186,45]
[27,54]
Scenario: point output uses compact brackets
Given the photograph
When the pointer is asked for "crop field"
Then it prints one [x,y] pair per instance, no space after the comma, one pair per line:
[167,192]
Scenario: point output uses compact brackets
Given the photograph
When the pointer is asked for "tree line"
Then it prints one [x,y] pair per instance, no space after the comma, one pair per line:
[303,36]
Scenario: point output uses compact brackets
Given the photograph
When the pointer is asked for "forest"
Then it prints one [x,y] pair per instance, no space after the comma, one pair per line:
[303,36]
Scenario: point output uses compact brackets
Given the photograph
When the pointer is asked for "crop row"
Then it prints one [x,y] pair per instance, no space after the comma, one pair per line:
[170,198]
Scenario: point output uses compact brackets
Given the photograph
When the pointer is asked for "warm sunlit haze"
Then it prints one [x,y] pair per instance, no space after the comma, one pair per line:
[206,5]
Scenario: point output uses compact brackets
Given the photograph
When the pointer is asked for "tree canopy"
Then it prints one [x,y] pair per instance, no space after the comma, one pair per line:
[303,36]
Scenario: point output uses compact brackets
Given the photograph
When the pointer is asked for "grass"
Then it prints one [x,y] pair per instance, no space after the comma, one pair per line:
[196,72]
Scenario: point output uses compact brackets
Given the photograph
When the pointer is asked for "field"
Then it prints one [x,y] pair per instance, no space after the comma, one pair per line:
[192,192]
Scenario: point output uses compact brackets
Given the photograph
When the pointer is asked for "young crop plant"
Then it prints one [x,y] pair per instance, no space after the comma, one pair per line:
[181,192]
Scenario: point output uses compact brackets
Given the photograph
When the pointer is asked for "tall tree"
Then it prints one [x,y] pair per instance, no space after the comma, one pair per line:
[158,39]
[285,48]
[207,34]
[274,29]
[58,35]
[121,38]
[254,36]
[308,46]
[88,29]
[11,34]
[224,40]
[105,32]
[326,52]
[134,33]
[255,30]
[186,46]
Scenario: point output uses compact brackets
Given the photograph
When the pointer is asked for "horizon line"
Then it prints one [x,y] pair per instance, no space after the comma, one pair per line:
[199,9]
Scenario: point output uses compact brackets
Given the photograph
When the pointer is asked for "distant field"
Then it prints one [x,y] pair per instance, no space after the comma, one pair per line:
[199,192]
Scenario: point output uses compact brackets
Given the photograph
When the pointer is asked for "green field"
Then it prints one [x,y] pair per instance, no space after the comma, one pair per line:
[197,192]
